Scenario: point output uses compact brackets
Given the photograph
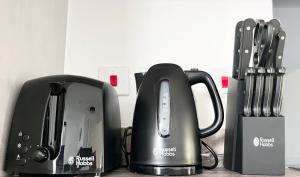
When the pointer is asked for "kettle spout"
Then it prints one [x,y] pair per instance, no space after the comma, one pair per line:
[138,80]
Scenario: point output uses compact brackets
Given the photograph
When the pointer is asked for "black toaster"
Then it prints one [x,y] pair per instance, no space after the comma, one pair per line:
[65,125]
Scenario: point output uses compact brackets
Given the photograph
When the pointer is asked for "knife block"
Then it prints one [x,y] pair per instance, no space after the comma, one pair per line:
[253,145]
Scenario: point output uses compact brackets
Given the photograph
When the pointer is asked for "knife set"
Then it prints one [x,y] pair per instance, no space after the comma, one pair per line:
[254,136]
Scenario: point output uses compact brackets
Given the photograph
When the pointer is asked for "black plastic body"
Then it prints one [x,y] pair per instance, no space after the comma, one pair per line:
[180,152]
[89,127]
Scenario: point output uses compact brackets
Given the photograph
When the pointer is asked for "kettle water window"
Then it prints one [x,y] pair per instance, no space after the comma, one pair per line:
[53,122]
[164,109]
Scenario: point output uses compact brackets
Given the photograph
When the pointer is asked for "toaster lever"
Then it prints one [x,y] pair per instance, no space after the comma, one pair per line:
[53,122]
[40,155]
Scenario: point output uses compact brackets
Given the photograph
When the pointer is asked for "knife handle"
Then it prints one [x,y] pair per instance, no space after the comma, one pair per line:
[237,48]
[257,41]
[246,46]
[249,85]
[259,87]
[279,50]
[266,41]
[277,101]
[274,44]
[268,91]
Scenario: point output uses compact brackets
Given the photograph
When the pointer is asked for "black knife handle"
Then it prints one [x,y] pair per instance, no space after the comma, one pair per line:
[277,101]
[279,49]
[237,48]
[275,23]
[268,91]
[272,52]
[249,85]
[266,42]
[259,87]
[257,46]
[246,46]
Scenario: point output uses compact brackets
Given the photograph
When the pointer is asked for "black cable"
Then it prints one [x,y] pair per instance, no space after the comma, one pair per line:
[126,153]
[123,149]
[124,145]
[214,155]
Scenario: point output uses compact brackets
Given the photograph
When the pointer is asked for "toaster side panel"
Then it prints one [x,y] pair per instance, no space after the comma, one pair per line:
[112,129]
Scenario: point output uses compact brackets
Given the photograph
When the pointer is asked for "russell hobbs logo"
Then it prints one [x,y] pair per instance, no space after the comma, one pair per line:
[263,142]
[71,160]
[81,161]
[164,152]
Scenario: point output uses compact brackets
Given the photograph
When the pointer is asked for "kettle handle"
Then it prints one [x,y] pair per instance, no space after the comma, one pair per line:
[195,77]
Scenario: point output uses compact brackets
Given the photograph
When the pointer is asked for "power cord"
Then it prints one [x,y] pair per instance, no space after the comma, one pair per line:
[124,146]
[127,154]
[213,153]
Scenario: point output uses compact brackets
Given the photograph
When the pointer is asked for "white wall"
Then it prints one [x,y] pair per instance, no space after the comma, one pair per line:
[140,33]
[289,15]
[32,44]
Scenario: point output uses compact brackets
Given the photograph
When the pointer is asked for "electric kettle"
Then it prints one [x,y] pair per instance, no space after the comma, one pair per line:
[165,133]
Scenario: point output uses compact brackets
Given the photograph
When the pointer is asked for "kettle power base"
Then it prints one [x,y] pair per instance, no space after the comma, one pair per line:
[166,171]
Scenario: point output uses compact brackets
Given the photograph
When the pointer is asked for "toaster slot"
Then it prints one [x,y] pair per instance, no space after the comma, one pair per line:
[164,109]
[54,121]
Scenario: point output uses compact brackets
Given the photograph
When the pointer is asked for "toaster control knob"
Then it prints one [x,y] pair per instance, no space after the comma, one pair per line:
[25,137]
[21,162]
[24,149]
[40,155]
